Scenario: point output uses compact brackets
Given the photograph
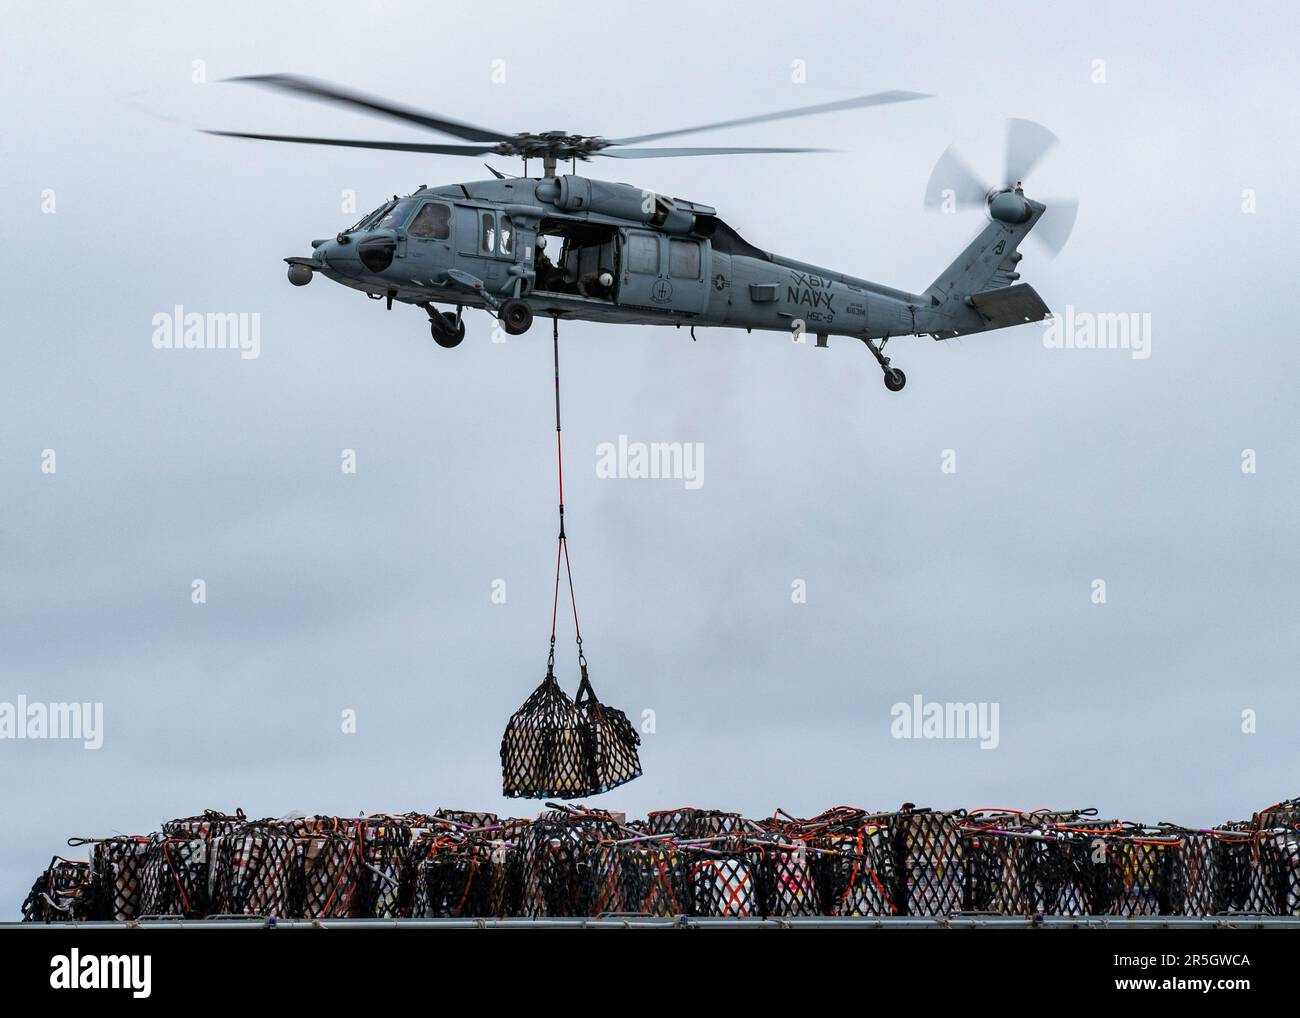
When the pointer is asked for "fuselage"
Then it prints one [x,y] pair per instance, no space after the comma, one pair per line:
[573,247]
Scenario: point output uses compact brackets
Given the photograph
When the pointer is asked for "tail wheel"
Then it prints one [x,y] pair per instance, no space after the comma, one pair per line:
[447,331]
[516,317]
[894,379]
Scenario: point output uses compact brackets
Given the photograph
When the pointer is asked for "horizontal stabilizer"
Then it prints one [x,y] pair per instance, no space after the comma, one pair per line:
[1008,305]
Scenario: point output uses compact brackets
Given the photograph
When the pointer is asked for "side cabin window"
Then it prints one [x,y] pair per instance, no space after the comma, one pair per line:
[507,235]
[433,222]
[684,259]
[489,243]
[643,253]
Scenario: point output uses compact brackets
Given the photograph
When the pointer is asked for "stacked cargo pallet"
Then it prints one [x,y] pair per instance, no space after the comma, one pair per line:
[575,861]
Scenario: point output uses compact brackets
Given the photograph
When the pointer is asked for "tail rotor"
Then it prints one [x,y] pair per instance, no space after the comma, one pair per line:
[954,185]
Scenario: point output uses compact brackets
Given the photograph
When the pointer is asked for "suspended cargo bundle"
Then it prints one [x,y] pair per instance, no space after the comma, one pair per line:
[542,752]
[176,877]
[609,740]
[554,747]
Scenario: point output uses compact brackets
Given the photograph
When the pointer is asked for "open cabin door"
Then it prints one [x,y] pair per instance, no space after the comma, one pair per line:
[663,273]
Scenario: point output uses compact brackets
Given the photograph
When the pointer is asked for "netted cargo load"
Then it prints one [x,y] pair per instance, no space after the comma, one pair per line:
[609,741]
[209,824]
[65,892]
[575,861]
[852,864]
[1278,859]
[641,875]
[176,876]
[329,873]
[117,872]
[542,751]
[689,822]
[1139,871]
[1280,816]
[466,875]
[466,819]
[1038,863]
[558,851]
[929,868]
[725,881]
[386,874]
[254,871]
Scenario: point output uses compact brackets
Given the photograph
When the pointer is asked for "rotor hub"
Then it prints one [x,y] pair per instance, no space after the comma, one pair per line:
[557,145]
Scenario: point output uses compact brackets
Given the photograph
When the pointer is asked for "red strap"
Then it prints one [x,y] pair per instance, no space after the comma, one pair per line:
[562,548]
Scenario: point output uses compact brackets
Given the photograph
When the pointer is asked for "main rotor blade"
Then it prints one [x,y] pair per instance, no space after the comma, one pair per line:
[658,153]
[326,92]
[388,146]
[951,174]
[1055,225]
[875,99]
[1027,143]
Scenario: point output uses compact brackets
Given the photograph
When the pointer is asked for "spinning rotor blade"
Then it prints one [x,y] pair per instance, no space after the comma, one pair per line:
[389,146]
[875,99]
[1027,143]
[656,153]
[951,173]
[325,92]
[1054,227]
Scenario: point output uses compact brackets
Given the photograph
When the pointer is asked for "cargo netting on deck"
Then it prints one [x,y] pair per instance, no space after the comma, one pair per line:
[574,860]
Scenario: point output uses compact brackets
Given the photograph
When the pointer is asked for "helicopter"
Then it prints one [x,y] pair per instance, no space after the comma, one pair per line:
[566,246]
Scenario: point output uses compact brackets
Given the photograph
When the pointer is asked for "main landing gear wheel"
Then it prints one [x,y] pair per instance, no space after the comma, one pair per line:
[515,317]
[894,378]
[446,330]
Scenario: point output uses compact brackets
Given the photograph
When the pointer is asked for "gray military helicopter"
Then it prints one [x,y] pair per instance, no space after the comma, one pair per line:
[570,247]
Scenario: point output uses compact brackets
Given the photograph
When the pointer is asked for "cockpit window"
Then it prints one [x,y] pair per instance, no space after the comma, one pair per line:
[433,222]
[489,233]
[396,216]
[507,234]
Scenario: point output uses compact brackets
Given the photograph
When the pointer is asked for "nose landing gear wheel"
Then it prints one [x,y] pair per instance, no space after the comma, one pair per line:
[894,379]
[516,317]
[446,330]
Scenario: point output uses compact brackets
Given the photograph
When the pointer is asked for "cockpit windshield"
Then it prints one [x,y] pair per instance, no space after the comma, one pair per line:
[396,216]
[391,215]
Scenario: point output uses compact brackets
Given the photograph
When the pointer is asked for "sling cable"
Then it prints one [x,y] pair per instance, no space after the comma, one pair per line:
[555,747]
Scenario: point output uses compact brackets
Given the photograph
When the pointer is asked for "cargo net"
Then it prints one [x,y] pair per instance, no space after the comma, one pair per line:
[65,892]
[117,867]
[558,748]
[579,861]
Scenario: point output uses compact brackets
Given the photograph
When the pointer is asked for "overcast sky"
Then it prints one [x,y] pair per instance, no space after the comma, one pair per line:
[372,592]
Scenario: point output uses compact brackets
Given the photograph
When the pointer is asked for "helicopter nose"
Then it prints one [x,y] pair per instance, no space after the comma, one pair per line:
[339,257]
